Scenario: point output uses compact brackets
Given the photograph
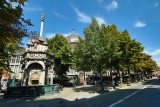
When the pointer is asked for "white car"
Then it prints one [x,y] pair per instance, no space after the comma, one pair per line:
[4,84]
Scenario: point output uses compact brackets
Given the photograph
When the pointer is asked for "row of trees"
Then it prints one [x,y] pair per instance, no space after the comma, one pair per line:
[13,28]
[102,48]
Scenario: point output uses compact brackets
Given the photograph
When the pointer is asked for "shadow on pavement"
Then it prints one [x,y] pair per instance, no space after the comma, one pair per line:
[144,98]
[94,88]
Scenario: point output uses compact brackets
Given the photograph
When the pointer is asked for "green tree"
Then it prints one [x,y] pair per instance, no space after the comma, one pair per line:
[61,52]
[94,48]
[136,50]
[125,44]
[124,47]
[146,65]
[80,57]
[131,53]
[115,53]
[13,27]
[102,49]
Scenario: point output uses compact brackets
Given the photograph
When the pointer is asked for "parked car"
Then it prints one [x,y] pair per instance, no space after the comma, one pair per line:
[126,79]
[90,80]
[93,80]
[4,85]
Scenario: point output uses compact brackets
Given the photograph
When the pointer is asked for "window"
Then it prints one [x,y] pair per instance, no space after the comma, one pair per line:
[74,40]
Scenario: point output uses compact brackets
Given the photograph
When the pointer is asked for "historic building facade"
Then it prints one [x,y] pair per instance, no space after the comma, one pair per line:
[36,63]
[72,39]
[15,64]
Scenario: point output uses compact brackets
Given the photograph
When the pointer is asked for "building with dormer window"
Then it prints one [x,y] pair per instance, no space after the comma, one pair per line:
[72,39]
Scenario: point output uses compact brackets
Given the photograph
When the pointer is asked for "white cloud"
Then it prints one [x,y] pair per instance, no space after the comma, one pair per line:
[112,6]
[66,34]
[155,55]
[156,4]
[147,52]
[33,9]
[82,17]
[155,52]
[157,61]
[59,15]
[100,20]
[139,23]
[50,35]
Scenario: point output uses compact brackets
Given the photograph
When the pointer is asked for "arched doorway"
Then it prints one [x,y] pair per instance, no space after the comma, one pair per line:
[35,74]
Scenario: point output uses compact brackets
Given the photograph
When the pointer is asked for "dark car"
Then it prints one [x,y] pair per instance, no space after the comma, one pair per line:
[126,79]
[93,80]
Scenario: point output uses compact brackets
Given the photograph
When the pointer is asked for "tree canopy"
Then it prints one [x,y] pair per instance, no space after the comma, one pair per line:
[13,27]
[104,47]
[59,48]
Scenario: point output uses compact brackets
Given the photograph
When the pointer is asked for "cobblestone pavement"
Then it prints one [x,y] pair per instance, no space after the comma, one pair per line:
[73,96]
[79,92]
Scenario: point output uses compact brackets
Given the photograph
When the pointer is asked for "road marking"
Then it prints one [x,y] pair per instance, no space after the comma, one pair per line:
[12,101]
[112,105]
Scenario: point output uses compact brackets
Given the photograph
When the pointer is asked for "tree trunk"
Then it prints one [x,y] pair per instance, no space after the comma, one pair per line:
[141,75]
[129,74]
[101,83]
[144,76]
[85,82]
[135,76]
[119,73]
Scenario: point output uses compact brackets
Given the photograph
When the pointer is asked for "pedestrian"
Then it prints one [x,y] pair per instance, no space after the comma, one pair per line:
[113,82]
[9,81]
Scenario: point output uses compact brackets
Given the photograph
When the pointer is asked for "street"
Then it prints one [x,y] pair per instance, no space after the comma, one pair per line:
[142,94]
[145,94]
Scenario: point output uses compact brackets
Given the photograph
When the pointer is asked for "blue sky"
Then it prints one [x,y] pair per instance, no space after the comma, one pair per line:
[140,17]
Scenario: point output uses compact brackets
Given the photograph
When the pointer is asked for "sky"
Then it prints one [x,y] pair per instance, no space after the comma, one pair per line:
[141,18]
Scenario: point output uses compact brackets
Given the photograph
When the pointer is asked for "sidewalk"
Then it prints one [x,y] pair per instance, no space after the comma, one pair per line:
[84,91]
[79,92]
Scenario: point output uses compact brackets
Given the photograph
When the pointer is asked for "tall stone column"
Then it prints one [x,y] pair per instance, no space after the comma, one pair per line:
[42,23]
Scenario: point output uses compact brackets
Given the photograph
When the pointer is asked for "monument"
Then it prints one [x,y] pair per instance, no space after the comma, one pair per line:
[36,63]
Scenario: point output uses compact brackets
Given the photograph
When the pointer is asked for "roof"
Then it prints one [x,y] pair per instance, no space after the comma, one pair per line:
[41,39]
[21,52]
[72,38]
